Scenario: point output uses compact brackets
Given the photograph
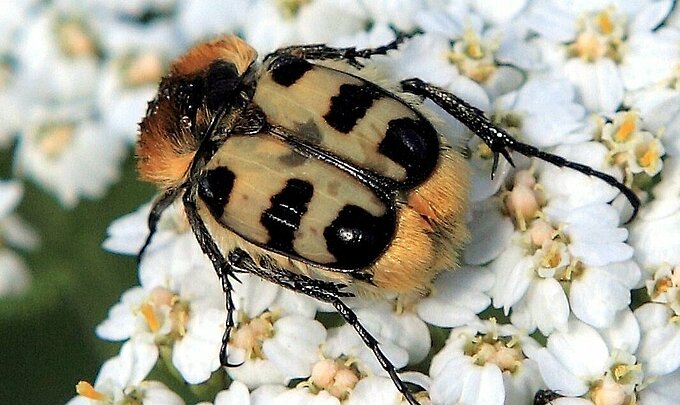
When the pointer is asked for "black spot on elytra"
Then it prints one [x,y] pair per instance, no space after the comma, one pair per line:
[357,238]
[413,144]
[214,188]
[221,82]
[283,217]
[286,69]
[350,105]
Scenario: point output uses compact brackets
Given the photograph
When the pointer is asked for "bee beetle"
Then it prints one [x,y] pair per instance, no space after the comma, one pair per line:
[302,171]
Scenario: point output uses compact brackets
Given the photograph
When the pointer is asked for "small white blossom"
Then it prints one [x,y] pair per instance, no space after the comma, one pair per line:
[578,362]
[121,380]
[659,350]
[457,297]
[15,278]
[276,337]
[484,363]
[592,39]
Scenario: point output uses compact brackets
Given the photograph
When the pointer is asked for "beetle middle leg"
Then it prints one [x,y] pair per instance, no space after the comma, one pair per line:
[498,140]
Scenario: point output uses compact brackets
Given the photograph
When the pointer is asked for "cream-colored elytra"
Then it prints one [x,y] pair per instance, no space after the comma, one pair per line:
[262,166]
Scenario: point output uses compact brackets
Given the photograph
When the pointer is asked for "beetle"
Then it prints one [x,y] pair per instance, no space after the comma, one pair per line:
[303,171]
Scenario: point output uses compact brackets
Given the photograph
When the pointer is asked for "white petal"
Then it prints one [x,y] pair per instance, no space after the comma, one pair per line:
[484,387]
[490,235]
[295,345]
[196,355]
[597,295]
[651,16]
[156,393]
[624,332]
[457,297]
[548,305]
[513,281]
[581,350]
[374,390]
[236,394]
[599,83]
[557,376]
[665,390]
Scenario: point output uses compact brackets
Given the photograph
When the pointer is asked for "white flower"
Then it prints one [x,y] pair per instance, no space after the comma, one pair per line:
[15,278]
[457,297]
[659,350]
[137,58]
[276,337]
[69,155]
[403,336]
[120,381]
[184,312]
[655,232]
[582,248]
[569,189]
[484,363]
[53,50]
[578,362]
[543,112]
[661,111]
[592,39]
[663,390]
[484,55]
[215,16]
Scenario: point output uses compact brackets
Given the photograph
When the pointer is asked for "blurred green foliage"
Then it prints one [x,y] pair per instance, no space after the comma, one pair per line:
[47,340]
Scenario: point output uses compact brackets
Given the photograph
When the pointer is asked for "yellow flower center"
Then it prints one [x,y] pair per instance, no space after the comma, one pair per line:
[290,8]
[85,389]
[54,139]
[75,40]
[336,377]
[250,335]
[473,57]
[626,129]
[501,351]
[143,69]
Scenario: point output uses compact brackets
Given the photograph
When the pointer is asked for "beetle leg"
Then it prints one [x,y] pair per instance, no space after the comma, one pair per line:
[323,291]
[545,397]
[163,202]
[350,55]
[499,141]
[222,267]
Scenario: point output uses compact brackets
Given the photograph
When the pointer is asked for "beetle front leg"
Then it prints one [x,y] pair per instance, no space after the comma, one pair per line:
[499,141]
[350,55]
[222,267]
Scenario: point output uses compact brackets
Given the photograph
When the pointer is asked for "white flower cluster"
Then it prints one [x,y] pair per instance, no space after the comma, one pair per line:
[543,298]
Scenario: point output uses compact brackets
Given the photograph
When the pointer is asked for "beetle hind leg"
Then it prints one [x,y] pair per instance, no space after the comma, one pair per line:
[324,291]
[499,141]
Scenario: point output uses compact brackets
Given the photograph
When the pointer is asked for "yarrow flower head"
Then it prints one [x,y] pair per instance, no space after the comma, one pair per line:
[542,299]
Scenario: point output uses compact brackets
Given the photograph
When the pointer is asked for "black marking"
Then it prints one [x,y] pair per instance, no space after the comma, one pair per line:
[413,144]
[283,217]
[214,188]
[286,69]
[350,105]
[221,82]
[357,238]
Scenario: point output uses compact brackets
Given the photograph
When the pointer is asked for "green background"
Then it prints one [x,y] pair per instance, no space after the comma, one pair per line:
[47,340]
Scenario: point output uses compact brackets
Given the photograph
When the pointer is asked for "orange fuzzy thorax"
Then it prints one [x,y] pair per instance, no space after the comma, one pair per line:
[166,143]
